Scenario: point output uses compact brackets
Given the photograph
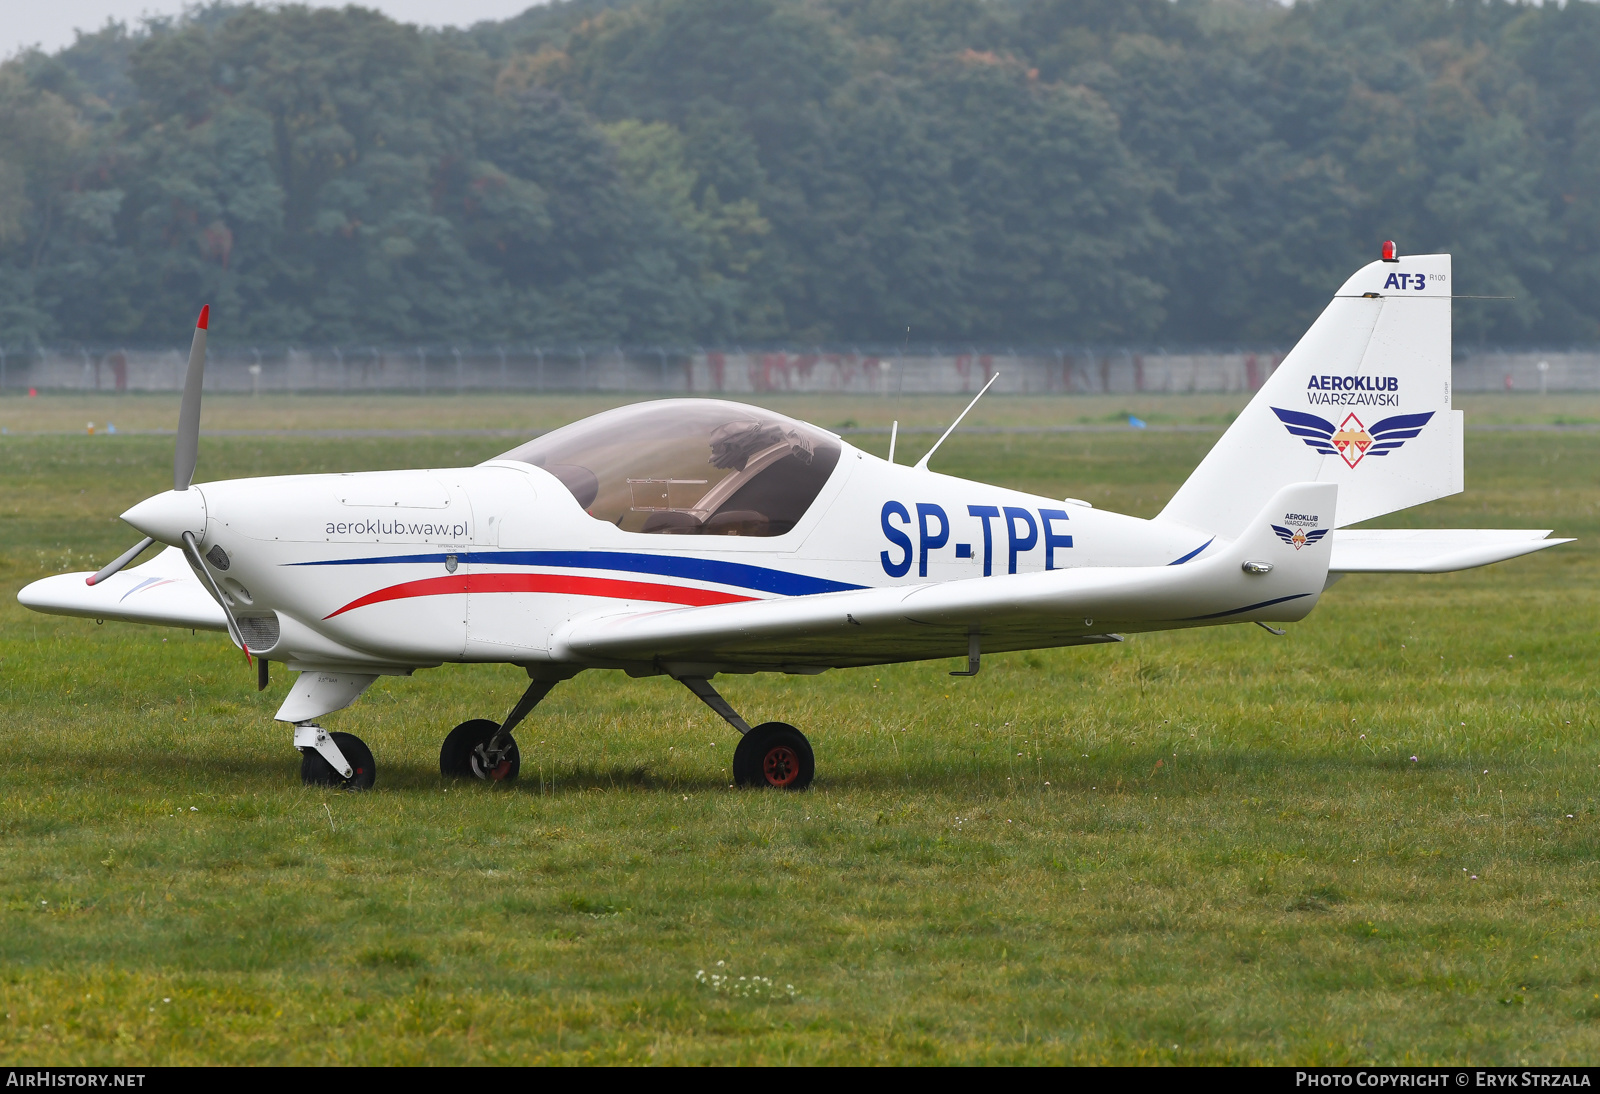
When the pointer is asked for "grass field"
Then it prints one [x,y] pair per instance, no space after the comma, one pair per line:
[518,414]
[1374,839]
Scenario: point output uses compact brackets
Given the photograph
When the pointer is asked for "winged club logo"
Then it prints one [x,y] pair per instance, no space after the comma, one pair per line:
[1298,537]
[1350,440]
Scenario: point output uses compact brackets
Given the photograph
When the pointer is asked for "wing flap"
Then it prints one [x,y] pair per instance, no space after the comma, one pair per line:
[1431,550]
[164,592]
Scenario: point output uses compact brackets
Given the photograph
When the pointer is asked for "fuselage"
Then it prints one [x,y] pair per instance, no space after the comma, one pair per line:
[488,563]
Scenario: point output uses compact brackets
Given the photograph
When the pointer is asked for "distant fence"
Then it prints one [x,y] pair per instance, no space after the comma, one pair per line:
[735,372]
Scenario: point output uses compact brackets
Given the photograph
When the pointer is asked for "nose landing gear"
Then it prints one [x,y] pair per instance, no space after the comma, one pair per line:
[328,759]
[334,759]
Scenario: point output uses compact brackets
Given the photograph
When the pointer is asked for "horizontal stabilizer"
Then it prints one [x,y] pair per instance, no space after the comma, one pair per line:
[1431,550]
[164,591]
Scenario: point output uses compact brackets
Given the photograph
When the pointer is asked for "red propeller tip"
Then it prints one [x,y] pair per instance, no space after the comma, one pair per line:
[89,580]
[205,317]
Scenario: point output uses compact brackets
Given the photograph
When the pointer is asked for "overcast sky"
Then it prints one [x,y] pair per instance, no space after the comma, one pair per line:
[50,23]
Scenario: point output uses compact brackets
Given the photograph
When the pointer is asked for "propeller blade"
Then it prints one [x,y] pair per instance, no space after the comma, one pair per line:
[192,549]
[120,561]
[187,452]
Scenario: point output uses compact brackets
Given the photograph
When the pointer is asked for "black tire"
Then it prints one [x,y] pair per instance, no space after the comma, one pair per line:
[315,771]
[774,755]
[458,757]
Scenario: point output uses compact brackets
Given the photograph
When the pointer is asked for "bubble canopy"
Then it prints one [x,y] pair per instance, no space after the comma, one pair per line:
[689,467]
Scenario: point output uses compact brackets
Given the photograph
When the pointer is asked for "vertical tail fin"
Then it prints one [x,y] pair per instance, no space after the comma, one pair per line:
[1363,401]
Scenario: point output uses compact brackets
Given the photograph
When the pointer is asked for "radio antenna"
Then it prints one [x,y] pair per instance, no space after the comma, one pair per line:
[922,464]
[894,428]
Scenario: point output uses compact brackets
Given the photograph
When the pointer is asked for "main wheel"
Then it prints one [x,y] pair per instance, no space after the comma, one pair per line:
[315,771]
[774,754]
[462,756]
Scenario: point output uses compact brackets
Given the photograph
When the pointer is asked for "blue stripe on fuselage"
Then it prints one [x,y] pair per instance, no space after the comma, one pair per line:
[1191,554]
[694,569]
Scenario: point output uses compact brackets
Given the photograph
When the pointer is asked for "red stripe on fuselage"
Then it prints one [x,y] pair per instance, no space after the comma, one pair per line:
[544,583]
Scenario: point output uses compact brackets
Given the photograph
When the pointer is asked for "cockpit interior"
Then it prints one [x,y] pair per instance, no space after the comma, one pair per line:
[689,467]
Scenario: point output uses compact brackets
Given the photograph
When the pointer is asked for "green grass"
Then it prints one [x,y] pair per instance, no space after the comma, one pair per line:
[1205,846]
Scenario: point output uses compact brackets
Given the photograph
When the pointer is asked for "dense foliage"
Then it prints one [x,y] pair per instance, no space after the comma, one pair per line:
[676,171]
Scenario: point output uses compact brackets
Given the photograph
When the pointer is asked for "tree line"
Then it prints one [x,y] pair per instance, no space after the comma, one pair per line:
[675,172]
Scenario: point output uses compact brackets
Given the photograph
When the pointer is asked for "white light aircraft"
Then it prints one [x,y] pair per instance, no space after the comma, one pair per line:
[697,537]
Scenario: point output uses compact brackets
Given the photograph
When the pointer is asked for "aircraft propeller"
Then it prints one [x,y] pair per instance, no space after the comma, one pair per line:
[187,450]
[119,562]
[186,454]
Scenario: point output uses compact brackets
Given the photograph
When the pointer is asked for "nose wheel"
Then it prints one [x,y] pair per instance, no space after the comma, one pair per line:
[315,770]
[776,755]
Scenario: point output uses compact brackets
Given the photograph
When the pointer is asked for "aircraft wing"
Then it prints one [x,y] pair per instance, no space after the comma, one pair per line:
[830,630]
[1431,550]
[164,591]
[1023,611]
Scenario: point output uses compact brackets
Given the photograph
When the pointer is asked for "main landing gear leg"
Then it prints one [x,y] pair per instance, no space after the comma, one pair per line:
[484,749]
[773,754]
[708,695]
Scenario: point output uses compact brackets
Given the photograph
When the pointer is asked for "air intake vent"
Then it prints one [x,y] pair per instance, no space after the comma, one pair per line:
[260,631]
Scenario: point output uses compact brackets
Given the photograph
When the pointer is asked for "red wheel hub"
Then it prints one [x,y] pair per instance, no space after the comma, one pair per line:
[780,765]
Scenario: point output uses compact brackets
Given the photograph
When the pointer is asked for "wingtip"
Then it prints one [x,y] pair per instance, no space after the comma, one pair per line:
[204,321]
